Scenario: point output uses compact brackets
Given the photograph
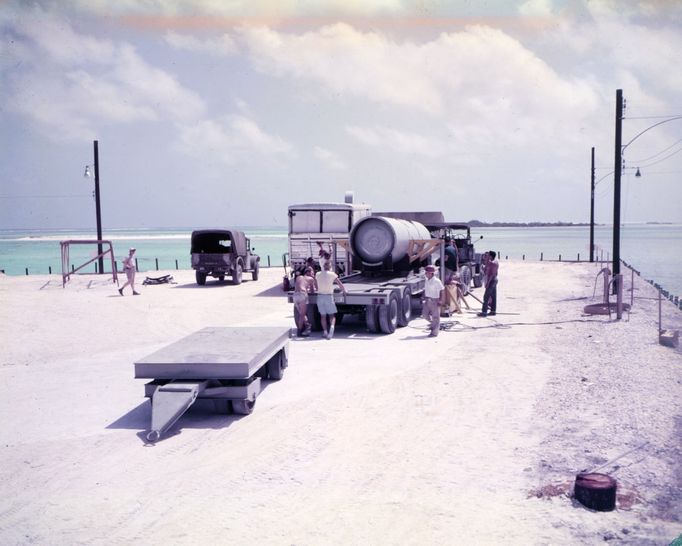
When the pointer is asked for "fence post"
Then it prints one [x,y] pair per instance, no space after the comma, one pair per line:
[176,265]
[268,260]
[523,258]
[49,268]
[157,263]
[578,256]
[559,257]
[27,271]
[541,254]
[136,268]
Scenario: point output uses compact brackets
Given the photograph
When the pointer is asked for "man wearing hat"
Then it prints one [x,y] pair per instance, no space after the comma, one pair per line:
[434,297]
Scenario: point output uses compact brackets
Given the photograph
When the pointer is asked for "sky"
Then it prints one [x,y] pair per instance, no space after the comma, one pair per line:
[211,113]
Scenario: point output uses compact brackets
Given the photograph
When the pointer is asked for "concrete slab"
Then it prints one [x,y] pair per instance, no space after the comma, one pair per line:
[214,353]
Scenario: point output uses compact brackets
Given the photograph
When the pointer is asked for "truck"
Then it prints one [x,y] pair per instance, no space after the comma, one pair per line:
[220,252]
[387,256]
[326,223]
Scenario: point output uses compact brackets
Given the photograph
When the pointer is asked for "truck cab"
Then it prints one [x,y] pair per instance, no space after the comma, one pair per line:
[220,252]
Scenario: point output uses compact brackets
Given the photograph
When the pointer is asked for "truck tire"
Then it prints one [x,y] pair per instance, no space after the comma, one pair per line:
[243,407]
[254,274]
[388,315]
[405,311]
[314,318]
[277,364]
[371,318]
[237,274]
[201,278]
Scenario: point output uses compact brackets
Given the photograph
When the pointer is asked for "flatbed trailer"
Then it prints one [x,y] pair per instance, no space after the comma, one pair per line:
[224,364]
[385,301]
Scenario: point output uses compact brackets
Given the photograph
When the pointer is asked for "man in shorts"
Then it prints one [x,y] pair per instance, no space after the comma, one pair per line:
[324,285]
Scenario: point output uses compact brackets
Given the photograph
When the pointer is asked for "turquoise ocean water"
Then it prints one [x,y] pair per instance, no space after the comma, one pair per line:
[653,249]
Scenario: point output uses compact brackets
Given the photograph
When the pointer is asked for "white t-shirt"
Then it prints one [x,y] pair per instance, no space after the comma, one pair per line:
[433,287]
[325,281]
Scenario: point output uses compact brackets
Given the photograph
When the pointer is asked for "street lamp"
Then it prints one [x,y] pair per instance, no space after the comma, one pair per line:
[618,165]
[98,209]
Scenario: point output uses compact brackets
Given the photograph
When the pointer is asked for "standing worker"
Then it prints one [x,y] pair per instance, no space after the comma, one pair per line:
[490,281]
[129,268]
[434,297]
[304,284]
[324,284]
[451,260]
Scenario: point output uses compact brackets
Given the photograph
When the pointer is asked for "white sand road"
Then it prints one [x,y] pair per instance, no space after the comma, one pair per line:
[473,437]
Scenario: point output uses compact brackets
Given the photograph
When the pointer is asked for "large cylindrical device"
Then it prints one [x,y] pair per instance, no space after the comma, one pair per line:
[375,239]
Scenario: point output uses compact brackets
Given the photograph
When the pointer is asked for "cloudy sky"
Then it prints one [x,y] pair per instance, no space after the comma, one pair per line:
[214,113]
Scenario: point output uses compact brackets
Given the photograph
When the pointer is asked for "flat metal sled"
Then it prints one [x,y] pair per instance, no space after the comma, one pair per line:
[225,364]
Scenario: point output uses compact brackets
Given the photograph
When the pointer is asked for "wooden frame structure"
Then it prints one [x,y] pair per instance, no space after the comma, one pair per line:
[65,245]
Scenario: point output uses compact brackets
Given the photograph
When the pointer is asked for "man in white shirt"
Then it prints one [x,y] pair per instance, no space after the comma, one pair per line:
[434,297]
[324,286]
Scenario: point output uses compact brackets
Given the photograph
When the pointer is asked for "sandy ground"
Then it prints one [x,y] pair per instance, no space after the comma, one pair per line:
[473,437]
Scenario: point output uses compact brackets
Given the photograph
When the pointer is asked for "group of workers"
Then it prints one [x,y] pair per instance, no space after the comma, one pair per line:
[434,299]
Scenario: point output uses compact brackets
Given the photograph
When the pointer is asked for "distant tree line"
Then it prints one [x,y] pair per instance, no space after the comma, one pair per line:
[478,223]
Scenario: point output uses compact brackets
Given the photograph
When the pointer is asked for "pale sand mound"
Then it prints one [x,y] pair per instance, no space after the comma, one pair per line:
[469,438]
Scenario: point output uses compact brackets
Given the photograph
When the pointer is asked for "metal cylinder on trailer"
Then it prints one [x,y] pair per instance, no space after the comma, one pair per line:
[374,239]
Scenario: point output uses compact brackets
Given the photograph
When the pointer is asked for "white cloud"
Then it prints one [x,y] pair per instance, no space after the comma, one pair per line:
[329,158]
[536,7]
[224,45]
[231,139]
[242,8]
[394,141]
[66,83]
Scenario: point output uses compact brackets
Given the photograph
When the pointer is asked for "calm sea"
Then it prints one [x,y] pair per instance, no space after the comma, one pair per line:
[653,249]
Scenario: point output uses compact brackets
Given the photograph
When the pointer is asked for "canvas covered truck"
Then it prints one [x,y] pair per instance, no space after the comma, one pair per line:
[221,252]
[388,256]
[325,223]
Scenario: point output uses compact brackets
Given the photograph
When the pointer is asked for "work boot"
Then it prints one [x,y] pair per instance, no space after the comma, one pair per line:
[120,291]
[331,333]
[135,293]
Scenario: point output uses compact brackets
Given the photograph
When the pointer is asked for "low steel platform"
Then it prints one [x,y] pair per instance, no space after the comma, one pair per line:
[225,364]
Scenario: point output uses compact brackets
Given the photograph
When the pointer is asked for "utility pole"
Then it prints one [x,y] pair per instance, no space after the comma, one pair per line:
[592,210]
[617,166]
[98,211]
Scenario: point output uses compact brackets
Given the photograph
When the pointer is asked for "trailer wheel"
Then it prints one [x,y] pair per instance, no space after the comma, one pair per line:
[243,407]
[405,311]
[237,274]
[388,315]
[201,278]
[254,274]
[371,318]
[277,364]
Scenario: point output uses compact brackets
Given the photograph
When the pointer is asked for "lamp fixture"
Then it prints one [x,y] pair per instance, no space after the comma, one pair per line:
[87,174]
[638,174]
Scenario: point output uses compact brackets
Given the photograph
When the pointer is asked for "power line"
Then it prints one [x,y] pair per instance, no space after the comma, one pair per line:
[43,196]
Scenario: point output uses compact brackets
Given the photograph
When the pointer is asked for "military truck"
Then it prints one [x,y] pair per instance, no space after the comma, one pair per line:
[221,252]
